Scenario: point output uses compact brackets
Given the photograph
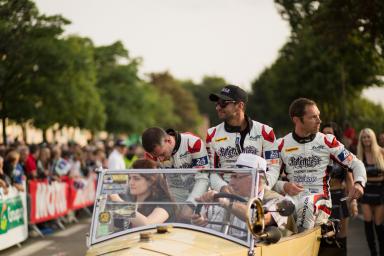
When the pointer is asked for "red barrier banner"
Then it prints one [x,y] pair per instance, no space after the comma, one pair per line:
[82,193]
[47,201]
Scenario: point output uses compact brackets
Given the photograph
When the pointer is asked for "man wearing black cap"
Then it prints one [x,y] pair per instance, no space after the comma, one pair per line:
[239,134]
[116,158]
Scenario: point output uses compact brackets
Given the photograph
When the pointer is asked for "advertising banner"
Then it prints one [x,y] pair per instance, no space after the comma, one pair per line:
[82,193]
[47,200]
[13,218]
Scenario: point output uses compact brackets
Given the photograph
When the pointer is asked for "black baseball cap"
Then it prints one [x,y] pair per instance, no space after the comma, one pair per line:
[120,143]
[230,92]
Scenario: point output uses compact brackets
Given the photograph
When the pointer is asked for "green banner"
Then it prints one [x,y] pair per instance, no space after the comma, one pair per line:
[11,214]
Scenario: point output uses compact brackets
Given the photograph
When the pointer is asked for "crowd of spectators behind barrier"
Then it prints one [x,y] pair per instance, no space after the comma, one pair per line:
[19,162]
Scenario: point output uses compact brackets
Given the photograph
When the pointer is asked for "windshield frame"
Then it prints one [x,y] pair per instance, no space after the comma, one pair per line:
[93,239]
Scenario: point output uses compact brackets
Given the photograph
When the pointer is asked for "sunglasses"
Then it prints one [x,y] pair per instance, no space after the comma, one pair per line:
[224,103]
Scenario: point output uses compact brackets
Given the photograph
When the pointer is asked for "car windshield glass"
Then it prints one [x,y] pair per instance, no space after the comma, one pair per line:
[135,199]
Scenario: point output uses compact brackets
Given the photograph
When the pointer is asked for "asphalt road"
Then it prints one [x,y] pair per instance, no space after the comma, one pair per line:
[68,242]
[71,242]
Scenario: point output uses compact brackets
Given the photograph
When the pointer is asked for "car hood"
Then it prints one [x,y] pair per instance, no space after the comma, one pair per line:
[177,241]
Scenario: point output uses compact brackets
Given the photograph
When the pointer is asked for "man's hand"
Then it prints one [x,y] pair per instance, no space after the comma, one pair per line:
[353,208]
[227,189]
[356,191]
[199,220]
[292,189]
[186,213]
[207,197]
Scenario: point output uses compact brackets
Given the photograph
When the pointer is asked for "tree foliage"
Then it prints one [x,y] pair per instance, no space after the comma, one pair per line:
[185,109]
[131,104]
[201,91]
[329,58]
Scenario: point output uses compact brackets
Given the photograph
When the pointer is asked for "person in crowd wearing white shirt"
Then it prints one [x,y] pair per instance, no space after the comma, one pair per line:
[116,158]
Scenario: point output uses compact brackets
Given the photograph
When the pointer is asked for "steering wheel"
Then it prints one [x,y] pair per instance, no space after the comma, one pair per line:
[255,216]
[225,223]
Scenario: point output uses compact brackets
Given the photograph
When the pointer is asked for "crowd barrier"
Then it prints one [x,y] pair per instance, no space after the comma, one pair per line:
[46,201]
[13,218]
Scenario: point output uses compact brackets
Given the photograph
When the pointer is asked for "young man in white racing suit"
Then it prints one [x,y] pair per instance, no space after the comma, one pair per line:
[172,149]
[238,134]
[305,154]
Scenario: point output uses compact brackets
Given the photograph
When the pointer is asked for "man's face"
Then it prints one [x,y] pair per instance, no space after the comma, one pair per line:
[226,109]
[310,122]
[241,184]
[163,152]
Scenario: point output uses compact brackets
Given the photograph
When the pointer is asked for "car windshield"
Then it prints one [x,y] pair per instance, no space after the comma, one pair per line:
[139,199]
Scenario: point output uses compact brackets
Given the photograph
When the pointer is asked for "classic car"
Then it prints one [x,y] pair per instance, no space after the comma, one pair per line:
[114,230]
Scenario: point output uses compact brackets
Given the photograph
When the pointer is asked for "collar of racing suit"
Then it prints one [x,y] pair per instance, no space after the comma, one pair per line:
[233,129]
[177,136]
[303,140]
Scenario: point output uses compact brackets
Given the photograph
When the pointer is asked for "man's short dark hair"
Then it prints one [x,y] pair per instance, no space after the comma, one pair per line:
[152,137]
[297,107]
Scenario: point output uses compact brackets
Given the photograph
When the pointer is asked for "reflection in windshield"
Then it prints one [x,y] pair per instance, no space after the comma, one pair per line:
[143,198]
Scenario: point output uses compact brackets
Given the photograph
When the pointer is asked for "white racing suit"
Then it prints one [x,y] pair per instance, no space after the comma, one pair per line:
[225,143]
[305,162]
[189,152]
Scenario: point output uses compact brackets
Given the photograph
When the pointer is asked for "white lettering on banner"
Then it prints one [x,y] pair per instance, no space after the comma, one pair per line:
[15,215]
[85,195]
[50,199]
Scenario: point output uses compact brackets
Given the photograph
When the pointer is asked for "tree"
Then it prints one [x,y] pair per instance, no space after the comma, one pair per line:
[68,86]
[131,104]
[201,91]
[326,59]
[21,28]
[185,107]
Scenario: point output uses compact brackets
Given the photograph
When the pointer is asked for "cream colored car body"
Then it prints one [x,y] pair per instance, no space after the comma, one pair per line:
[185,239]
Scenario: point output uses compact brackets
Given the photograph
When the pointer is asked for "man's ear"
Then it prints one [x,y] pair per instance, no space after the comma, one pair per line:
[296,119]
[241,105]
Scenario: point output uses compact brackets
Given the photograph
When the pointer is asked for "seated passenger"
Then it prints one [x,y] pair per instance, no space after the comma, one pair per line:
[148,188]
[241,184]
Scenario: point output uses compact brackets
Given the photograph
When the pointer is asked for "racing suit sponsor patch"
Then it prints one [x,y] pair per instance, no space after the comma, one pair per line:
[304,179]
[221,139]
[271,154]
[291,149]
[344,155]
[200,161]
[228,152]
[304,162]
[251,150]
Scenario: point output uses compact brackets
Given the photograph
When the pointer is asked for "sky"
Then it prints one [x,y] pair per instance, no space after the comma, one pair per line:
[233,39]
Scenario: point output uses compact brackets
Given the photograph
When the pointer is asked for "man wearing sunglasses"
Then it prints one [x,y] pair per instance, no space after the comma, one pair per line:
[239,134]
